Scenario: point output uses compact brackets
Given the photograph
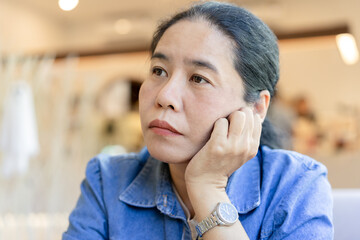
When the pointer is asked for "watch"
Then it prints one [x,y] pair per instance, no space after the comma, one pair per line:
[225,214]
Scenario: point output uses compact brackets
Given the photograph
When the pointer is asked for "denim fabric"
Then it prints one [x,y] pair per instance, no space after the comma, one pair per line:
[278,194]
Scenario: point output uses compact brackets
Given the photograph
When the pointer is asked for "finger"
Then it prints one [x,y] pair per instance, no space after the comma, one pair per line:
[249,122]
[257,127]
[236,124]
[256,135]
[220,130]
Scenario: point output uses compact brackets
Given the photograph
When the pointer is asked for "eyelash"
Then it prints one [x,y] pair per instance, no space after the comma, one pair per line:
[194,78]
[156,69]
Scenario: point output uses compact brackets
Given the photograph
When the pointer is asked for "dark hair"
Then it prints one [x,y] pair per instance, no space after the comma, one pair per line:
[256,54]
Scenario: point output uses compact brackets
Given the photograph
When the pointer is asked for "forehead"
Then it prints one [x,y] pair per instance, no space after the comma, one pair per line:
[195,38]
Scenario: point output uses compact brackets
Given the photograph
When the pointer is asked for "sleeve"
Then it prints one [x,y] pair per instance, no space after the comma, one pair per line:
[306,211]
[88,220]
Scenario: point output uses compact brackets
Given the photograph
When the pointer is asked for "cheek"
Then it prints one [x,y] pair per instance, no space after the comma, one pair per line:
[143,92]
[204,113]
[145,102]
[145,97]
[212,108]
[207,111]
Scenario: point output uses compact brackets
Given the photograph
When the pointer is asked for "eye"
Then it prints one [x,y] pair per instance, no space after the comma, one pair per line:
[198,79]
[159,72]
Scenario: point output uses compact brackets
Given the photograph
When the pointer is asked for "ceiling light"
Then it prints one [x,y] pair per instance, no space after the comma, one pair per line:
[123,26]
[347,47]
[68,5]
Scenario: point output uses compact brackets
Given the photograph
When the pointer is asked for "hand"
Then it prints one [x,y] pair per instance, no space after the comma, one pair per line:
[233,142]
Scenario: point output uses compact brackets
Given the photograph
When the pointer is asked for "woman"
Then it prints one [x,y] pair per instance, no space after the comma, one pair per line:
[209,170]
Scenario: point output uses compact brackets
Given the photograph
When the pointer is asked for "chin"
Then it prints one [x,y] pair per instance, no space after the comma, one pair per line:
[169,155]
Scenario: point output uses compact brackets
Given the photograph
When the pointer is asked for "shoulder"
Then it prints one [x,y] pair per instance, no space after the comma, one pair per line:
[285,162]
[296,191]
[288,174]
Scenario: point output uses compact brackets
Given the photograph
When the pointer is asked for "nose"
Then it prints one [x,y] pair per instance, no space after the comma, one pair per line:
[170,94]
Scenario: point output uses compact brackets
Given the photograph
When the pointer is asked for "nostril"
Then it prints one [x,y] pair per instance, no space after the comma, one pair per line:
[166,101]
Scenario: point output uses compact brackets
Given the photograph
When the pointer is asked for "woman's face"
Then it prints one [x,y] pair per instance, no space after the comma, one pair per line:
[192,82]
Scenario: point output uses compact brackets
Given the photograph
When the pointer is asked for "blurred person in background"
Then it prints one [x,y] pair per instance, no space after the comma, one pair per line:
[211,168]
[307,133]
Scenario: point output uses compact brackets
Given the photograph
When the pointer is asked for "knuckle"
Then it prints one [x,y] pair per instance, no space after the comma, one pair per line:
[237,116]
[218,149]
[240,115]
[248,110]
[221,121]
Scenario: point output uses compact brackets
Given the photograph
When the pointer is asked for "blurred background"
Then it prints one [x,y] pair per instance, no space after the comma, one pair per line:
[70,73]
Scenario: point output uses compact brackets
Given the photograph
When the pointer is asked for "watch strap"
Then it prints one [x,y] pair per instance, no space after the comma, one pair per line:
[207,224]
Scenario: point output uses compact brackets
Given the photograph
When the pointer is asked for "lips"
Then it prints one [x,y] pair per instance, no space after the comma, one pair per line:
[163,128]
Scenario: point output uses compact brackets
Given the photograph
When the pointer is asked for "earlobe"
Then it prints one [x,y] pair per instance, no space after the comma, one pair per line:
[262,105]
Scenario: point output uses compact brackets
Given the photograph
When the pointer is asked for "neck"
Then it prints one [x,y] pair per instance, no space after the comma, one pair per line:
[177,172]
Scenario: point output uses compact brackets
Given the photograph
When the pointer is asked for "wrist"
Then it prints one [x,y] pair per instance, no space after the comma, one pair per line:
[207,183]
[204,199]
[225,214]
[202,192]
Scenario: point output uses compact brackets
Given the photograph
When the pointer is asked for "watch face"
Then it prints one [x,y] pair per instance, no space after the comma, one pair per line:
[227,213]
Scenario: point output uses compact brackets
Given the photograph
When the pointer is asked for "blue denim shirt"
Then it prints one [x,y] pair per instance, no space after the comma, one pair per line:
[278,194]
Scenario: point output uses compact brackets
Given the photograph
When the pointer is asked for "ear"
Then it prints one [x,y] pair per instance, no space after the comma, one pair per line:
[262,104]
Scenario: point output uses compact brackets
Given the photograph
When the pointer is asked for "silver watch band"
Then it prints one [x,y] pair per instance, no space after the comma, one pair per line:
[207,224]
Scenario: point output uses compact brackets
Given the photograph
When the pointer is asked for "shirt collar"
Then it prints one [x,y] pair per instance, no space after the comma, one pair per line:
[152,187]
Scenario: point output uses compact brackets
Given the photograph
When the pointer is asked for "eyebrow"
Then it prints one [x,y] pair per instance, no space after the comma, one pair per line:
[160,56]
[203,64]
[195,62]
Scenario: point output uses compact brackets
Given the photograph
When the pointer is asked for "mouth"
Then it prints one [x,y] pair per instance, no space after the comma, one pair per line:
[163,128]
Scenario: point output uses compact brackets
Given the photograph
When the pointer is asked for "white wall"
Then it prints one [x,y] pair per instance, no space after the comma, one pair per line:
[314,67]
[23,30]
